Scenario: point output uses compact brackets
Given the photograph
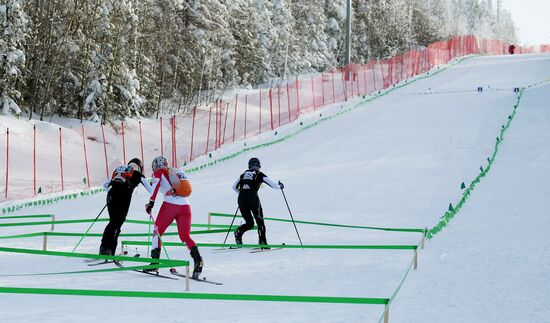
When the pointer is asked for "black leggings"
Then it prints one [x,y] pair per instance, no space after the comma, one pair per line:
[251,208]
[118,210]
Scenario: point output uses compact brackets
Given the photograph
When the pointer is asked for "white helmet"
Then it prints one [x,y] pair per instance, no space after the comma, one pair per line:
[159,163]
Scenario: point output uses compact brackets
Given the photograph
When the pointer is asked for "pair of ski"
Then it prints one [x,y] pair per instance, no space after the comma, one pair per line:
[252,250]
[173,271]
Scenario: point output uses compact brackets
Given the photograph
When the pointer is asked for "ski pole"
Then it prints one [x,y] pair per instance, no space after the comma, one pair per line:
[282,191]
[89,228]
[230,226]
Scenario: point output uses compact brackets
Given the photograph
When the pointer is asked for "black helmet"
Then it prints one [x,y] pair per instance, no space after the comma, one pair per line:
[254,163]
[138,163]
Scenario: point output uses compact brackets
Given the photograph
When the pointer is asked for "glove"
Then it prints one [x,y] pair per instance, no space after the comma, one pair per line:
[281,185]
[149,206]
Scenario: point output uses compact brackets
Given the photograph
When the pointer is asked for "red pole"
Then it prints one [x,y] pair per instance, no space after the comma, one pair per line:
[279,102]
[365,78]
[225,122]
[61,158]
[217,136]
[7,159]
[192,134]
[172,140]
[245,112]
[373,77]
[313,93]
[271,107]
[288,98]
[175,163]
[357,83]
[344,88]
[208,133]
[123,144]
[105,151]
[235,115]
[141,143]
[260,125]
[323,88]
[333,95]
[297,98]
[34,158]
[85,156]
[161,142]
[351,81]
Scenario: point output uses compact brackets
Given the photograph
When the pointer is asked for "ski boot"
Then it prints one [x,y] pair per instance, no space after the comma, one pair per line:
[106,251]
[263,239]
[198,263]
[262,244]
[238,237]
[155,253]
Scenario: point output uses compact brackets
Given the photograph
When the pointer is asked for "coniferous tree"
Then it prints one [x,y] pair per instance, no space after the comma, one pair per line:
[12,57]
[111,59]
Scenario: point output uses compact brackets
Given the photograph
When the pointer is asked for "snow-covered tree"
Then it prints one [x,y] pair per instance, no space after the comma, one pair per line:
[250,50]
[12,56]
[110,59]
[334,29]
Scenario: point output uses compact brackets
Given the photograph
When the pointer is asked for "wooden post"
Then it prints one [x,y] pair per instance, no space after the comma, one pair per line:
[387,314]
[53,221]
[45,241]
[423,239]
[415,259]
[187,278]
[209,220]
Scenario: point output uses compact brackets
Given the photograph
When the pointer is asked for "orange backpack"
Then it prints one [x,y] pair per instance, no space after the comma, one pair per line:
[179,182]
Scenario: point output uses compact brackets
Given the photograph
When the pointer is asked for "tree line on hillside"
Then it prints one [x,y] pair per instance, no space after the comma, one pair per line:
[106,60]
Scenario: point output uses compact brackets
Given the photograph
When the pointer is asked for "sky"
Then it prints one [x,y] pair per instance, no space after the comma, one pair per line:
[531,19]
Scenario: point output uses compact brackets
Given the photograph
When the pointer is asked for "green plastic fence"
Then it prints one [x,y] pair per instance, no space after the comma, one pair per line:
[285,246]
[329,224]
[453,210]
[211,296]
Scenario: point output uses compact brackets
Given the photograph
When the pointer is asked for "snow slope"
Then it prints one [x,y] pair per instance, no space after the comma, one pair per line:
[397,161]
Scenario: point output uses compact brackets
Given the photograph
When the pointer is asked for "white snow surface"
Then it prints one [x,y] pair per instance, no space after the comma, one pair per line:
[396,161]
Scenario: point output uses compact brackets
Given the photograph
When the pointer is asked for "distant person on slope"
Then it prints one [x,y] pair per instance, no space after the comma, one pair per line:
[121,186]
[247,185]
[175,187]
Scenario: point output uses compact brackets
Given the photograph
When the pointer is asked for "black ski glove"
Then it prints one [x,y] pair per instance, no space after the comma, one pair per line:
[149,206]
[281,185]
